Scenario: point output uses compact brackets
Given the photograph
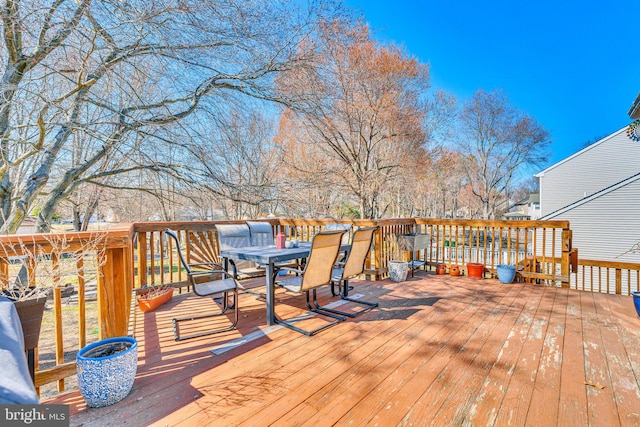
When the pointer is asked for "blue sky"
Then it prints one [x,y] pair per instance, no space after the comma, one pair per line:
[574,66]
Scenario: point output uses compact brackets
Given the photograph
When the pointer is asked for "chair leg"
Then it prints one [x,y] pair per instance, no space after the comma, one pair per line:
[333,289]
[289,322]
[340,290]
[317,309]
[367,305]
[225,306]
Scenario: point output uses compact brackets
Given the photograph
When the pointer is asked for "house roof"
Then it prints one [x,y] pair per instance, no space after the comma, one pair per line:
[587,148]
[634,111]
[516,215]
[593,196]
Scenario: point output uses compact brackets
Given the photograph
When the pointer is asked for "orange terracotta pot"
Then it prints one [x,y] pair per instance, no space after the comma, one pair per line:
[454,270]
[441,269]
[475,270]
[147,304]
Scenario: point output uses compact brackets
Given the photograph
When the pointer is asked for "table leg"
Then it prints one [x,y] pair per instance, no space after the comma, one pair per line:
[271,316]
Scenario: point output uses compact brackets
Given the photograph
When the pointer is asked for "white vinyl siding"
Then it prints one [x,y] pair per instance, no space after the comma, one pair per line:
[595,168]
[607,226]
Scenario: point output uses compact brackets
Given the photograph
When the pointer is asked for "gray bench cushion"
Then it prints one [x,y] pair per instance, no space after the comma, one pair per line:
[15,382]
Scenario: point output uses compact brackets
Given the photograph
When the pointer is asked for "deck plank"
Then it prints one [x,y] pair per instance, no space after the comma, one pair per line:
[545,399]
[408,379]
[601,407]
[495,386]
[439,350]
[515,405]
[294,366]
[406,323]
[450,371]
[477,370]
[624,382]
[573,393]
[408,355]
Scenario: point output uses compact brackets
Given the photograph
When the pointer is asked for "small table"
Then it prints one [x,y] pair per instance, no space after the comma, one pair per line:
[269,256]
[413,243]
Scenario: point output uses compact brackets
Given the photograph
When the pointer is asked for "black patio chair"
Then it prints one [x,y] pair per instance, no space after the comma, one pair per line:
[208,279]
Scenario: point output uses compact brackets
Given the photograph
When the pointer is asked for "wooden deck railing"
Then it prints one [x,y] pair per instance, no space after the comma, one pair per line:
[540,248]
[82,259]
[609,277]
[137,255]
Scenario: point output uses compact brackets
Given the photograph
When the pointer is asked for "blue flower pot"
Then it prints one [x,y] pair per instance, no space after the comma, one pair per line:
[104,378]
[506,273]
[636,301]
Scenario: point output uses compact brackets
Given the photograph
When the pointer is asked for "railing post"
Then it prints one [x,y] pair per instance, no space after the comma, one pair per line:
[378,252]
[142,259]
[4,272]
[567,236]
[115,285]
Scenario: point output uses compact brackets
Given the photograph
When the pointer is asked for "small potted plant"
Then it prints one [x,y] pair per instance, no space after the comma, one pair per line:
[152,297]
[106,370]
[29,303]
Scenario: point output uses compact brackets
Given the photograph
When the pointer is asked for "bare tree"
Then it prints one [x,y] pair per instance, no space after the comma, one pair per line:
[239,165]
[361,106]
[117,74]
[497,140]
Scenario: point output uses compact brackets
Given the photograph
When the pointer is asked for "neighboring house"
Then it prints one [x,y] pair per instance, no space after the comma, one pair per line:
[598,191]
[634,111]
[28,225]
[528,208]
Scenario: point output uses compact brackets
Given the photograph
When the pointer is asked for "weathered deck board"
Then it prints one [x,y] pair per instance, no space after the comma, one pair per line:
[452,362]
[402,384]
[496,331]
[601,405]
[495,387]
[573,393]
[439,350]
[623,379]
[543,407]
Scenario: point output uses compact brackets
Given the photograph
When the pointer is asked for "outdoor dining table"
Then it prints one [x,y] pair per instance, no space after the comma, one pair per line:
[269,256]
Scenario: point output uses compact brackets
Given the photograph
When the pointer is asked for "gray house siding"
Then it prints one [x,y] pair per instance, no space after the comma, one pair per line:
[608,225]
[604,163]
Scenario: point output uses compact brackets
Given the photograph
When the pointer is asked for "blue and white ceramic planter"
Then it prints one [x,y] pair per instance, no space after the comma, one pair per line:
[105,380]
[636,301]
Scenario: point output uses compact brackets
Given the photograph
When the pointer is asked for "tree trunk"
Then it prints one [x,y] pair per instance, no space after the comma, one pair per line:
[77,220]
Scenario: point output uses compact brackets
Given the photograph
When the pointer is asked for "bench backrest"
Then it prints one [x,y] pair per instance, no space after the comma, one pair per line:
[261,233]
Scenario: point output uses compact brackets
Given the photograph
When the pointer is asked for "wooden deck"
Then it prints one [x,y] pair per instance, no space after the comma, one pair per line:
[440,350]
